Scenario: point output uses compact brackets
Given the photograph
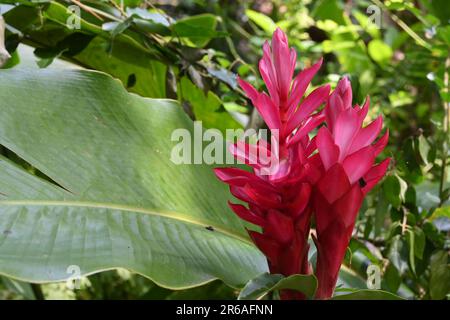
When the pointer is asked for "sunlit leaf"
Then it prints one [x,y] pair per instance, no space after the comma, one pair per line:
[265,283]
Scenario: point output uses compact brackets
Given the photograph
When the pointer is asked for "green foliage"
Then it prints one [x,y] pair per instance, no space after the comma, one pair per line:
[440,275]
[262,21]
[119,202]
[266,283]
[192,52]
[198,29]
[207,108]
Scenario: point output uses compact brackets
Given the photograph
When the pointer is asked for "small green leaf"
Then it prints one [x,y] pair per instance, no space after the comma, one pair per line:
[398,253]
[392,278]
[403,188]
[116,28]
[224,75]
[381,211]
[261,20]
[380,51]
[392,189]
[419,245]
[416,241]
[411,243]
[424,148]
[199,29]
[400,98]
[440,275]
[444,34]
[265,283]
[329,10]
[153,22]
[349,279]
[368,295]
[207,107]
[13,61]
[441,212]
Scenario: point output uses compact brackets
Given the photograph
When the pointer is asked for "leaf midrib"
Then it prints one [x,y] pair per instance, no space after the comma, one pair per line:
[111,206]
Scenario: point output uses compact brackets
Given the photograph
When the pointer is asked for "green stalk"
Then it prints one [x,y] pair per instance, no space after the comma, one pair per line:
[37,291]
[445,128]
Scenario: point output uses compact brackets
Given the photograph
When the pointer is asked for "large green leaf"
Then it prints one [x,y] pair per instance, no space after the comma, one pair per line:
[148,75]
[119,201]
[368,295]
[199,29]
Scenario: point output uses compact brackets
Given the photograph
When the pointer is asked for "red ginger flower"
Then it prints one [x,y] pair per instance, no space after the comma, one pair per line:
[332,182]
[278,197]
[346,173]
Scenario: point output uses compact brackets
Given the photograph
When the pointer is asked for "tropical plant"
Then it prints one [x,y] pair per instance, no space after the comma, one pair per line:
[91,92]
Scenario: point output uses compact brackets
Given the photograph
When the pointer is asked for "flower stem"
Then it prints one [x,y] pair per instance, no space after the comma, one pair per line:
[37,291]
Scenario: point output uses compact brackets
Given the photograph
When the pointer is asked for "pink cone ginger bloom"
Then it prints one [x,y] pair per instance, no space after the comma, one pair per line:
[281,199]
[347,173]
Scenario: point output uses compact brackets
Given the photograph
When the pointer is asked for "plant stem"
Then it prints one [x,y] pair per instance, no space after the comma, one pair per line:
[445,128]
[37,291]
